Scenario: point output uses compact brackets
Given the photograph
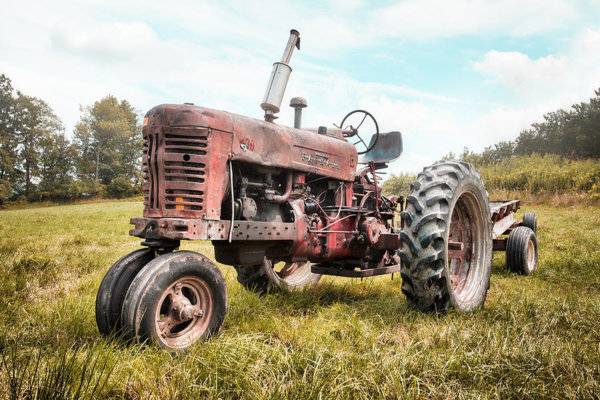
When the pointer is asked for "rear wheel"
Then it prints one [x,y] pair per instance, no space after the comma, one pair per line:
[113,289]
[283,275]
[522,251]
[446,239]
[176,300]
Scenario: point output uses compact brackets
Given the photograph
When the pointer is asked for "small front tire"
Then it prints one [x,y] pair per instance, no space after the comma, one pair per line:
[177,299]
[113,289]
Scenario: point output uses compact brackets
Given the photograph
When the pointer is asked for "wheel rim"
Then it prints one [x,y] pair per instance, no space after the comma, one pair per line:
[465,252]
[184,312]
[289,273]
[530,255]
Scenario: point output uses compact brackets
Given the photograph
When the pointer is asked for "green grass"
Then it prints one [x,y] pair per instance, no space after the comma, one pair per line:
[537,337]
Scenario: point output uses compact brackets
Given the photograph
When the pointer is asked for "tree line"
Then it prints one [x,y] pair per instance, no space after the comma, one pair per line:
[39,162]
[573,134]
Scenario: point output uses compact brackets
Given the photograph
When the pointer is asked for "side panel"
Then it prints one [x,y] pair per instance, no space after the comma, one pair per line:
[274,145]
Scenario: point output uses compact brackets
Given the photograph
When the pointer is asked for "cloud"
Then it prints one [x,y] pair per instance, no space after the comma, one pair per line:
[554,80]
[105,41]
[519,72]
[429,19]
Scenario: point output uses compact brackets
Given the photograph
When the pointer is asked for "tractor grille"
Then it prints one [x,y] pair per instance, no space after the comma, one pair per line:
[174,170]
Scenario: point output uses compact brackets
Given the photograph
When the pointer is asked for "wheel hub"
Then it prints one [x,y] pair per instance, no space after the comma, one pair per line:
[184,311]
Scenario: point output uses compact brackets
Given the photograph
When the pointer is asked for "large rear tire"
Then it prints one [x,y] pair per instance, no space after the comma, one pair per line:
[283,276]
[446,239]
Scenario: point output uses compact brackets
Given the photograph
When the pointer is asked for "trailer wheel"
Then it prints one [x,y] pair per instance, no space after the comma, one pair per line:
[113,289]
[176,300]
[284,276]
[530,221]
[446,239]
[522,251]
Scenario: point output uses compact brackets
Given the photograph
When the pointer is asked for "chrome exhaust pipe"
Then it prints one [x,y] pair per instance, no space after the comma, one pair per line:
[279,78]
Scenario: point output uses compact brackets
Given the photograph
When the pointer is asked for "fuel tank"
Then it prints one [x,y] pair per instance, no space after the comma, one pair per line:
[259,142]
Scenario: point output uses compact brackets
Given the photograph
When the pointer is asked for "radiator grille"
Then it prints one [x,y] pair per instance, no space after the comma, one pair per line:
[181,165]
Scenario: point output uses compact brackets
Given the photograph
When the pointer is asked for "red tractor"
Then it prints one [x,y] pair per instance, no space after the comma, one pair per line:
[285,206]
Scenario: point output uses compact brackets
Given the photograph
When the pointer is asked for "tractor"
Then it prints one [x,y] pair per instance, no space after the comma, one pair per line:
[285,206]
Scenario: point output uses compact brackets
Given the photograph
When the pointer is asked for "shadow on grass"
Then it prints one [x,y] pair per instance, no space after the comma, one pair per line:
[372,301]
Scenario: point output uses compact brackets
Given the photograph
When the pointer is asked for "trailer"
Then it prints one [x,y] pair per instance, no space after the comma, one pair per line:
[517,238]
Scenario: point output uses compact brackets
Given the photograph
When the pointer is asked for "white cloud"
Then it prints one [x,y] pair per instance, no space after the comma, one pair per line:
[554,80]
[519,72]
[428,19]
[105,40]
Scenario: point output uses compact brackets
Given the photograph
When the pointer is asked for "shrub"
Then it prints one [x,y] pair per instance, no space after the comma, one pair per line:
[120,187]
[543,174]
[398,185]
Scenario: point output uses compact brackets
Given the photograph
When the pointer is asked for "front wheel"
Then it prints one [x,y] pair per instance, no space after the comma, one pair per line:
[446,239]
[113,289]
[176,300]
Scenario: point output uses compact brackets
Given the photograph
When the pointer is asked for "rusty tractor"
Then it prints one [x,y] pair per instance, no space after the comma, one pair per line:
[286,205]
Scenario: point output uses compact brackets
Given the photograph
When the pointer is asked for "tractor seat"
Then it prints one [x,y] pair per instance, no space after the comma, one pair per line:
[387,149]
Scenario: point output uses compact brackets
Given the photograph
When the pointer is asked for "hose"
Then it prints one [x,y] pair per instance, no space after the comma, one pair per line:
[232,201]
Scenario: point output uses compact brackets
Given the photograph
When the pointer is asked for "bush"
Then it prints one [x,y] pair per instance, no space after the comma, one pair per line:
[120,187]
[398,185]
[543,175]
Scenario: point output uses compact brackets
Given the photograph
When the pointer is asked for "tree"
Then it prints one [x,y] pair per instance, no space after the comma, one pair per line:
[8,138]
[573,133]
[35,122]
[109,143]
[56,167]
[398,185]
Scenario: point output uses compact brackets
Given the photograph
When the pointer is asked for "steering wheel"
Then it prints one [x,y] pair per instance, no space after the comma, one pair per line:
[352,131]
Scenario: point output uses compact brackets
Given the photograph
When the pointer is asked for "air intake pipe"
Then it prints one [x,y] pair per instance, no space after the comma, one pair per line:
[279,78]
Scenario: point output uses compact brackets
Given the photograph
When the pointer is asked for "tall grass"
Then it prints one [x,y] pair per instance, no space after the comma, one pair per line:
[67,373]
[549,174]
[537,179]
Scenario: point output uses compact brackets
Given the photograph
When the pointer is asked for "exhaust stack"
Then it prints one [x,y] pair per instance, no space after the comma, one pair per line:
[279,78]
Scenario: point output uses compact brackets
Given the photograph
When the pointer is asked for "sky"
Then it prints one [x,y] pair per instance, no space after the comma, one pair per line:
[447,74]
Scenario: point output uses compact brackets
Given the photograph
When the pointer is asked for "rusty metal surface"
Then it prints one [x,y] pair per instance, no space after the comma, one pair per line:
[198,229]
[355,273]
[499,244]
[184,311]
[179,164]
[265,143]
[499,209]
[186,149]
[503,216]
[501,226]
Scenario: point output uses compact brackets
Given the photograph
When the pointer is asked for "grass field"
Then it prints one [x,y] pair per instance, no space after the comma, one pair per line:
[537,337]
